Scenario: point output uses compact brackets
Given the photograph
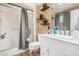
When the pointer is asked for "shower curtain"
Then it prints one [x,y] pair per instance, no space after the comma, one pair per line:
[24,30]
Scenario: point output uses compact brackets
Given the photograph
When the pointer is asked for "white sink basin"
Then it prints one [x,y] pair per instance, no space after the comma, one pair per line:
[62,36]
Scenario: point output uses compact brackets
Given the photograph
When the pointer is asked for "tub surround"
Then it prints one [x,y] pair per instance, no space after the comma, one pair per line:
[58,45]
[11,52]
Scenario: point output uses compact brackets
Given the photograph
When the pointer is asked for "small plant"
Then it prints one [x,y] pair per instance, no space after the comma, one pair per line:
[52,17]
[41,16]
[44,7]
[43,19]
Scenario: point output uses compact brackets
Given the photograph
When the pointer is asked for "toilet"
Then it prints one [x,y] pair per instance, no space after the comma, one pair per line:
[34,48]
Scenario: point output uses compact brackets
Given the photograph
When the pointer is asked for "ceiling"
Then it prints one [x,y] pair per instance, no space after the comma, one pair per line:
[56,7]
[59,7]
[26,5]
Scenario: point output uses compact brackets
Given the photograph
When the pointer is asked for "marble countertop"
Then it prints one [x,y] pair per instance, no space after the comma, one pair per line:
[65,38]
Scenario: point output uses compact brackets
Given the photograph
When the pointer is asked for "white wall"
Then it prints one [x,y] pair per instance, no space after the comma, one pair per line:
[74,15]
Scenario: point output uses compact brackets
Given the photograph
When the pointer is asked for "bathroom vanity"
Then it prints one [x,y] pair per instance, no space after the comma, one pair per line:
[58,45]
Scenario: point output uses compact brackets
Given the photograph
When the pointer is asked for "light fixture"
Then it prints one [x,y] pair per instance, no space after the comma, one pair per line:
[59,3]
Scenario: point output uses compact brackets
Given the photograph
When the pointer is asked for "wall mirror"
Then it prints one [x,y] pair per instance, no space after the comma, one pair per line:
[62,20]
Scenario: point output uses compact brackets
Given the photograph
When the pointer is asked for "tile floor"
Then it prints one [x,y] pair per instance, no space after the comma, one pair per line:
[26,53]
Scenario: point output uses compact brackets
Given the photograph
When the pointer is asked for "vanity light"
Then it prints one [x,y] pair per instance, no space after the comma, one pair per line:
[59,3]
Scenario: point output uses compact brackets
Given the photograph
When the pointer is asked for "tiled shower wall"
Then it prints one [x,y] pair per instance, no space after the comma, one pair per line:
[10,24]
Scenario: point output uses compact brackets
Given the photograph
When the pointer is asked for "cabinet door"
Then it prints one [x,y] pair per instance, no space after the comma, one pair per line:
[56,48]
[72,50]
[52,47]
[43,46]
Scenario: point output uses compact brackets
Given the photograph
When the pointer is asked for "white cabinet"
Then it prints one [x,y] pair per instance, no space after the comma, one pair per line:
[52,47]
[44,47]
[55,47]
[72,50]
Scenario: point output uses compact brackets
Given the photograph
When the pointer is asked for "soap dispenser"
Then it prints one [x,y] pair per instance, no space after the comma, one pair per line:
[56,30]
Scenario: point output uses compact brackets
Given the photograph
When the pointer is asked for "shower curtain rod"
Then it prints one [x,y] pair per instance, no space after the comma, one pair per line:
[20,6]
[17,6]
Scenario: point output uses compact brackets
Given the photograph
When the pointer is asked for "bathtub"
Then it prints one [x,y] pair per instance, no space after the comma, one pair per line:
[11,52]
[8,47]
